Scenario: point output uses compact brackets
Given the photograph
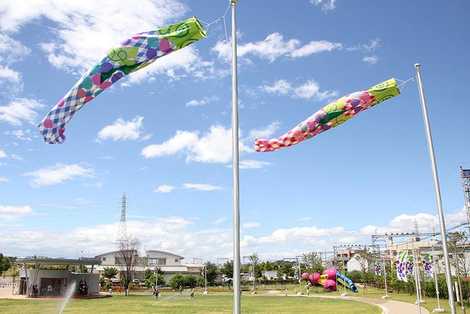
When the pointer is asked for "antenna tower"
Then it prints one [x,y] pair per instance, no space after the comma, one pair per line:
[122,233]
[465,175]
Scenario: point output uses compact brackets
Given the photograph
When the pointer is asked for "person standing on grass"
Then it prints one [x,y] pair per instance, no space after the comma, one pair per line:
[156,292]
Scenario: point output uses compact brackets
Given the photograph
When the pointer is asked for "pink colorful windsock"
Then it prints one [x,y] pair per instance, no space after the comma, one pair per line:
[133,54]
[331,116]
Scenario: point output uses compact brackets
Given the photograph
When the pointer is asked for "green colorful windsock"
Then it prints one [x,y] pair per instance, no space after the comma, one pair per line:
[133,54]
[331,116]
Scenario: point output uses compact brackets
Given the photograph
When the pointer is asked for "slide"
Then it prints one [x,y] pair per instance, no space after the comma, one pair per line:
[329,279]
[345,281]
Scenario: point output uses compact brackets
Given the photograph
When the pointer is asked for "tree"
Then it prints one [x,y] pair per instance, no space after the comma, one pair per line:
[254,260]
[110,272]
[227,270]
[313,262]
[285,269]
[5,264]
[149,276]
[211,273]
[267,266]
[177,281]
[127,257]
[190,281]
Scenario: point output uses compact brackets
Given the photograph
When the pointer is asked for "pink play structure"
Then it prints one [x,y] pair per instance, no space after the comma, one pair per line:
[328,280]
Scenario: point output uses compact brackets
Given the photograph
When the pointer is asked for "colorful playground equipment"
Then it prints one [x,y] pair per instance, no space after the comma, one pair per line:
[329,280]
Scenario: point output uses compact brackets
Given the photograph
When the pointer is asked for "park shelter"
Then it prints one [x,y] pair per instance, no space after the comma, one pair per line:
[51,277]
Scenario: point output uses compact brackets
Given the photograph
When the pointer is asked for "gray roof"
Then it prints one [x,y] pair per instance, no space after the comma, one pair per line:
[164,252]
[58,261]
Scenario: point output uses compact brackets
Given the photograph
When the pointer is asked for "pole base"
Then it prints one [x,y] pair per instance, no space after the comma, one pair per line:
[385,297]
[422,302]
[438,310]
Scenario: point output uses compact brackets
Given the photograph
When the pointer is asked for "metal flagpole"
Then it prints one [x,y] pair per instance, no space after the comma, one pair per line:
[416,270]
[385,277]
[434,274]
[437,188]
[235,168]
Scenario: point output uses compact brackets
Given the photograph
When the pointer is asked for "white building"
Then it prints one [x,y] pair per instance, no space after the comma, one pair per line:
[357,263]
[170,264]
[270,274]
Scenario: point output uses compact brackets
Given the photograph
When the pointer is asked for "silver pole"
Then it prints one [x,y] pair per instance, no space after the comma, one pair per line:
[416,270]
[205,278]
[434,274]
[437,188]
[235,168]
[418,274]
[385,276]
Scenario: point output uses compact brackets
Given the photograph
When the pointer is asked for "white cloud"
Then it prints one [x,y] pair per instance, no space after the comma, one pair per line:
[178,235]
[212,147]
[181,141]
[296,234]
[251,225]
[16,157]
[3,179]
[22,135]
[371,59]
[11,50]
[220,220]
[326,5]
[8,74]
[177,65]
[314,47]
[368,50]
[309,89]
[253,164]
[273,47]
[265,132]
[11,212]
[406,223]
[281,87]
[3,154]
[122,130]
[164,188]
[19,111]
[201,102]
[201,187]
[58,174]
[372,45]
[81,34]
[14,210]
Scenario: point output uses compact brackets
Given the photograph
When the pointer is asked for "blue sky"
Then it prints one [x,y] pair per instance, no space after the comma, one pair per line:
[163,135]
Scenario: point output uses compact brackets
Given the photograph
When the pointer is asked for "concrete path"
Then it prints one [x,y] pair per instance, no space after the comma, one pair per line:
[388,306]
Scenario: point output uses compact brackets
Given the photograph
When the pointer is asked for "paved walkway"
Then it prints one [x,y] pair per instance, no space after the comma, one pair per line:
[388,306]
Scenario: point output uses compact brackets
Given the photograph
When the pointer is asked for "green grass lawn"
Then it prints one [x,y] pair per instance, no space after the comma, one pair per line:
[219,303]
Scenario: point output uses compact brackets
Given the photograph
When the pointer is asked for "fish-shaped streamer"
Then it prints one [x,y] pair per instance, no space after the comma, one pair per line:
[137,52]
[331,116]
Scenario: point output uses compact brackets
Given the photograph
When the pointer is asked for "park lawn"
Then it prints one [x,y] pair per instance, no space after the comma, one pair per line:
[183,304]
